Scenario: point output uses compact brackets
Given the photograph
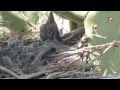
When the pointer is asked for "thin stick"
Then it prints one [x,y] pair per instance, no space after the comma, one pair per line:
[106,77]
[10,72]
[87,48]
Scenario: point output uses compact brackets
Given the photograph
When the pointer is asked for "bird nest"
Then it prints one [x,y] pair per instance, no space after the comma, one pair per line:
[50,57]
[27,59]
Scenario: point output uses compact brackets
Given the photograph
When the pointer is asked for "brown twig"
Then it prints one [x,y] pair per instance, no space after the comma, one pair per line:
[10,72]
[106,77]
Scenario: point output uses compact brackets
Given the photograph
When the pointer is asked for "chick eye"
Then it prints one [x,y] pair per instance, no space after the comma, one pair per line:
[32,57]
[53,49]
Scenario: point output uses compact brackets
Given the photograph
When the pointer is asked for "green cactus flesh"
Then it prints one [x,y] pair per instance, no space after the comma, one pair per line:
[33,16]
[16,21]
[105,24]
[80,14]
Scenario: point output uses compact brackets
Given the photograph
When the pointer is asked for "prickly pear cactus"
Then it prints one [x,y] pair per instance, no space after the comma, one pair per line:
[105,24]
[81,16]
[33,16]
[14,19]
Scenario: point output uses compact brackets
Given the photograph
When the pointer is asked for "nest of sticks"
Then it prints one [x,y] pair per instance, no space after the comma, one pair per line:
[51,56]
[29,59]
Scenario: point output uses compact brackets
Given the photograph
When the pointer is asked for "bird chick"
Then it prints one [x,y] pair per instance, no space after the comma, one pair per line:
[49,30]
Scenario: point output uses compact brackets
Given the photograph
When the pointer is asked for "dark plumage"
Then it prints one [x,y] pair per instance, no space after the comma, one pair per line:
[49,30]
